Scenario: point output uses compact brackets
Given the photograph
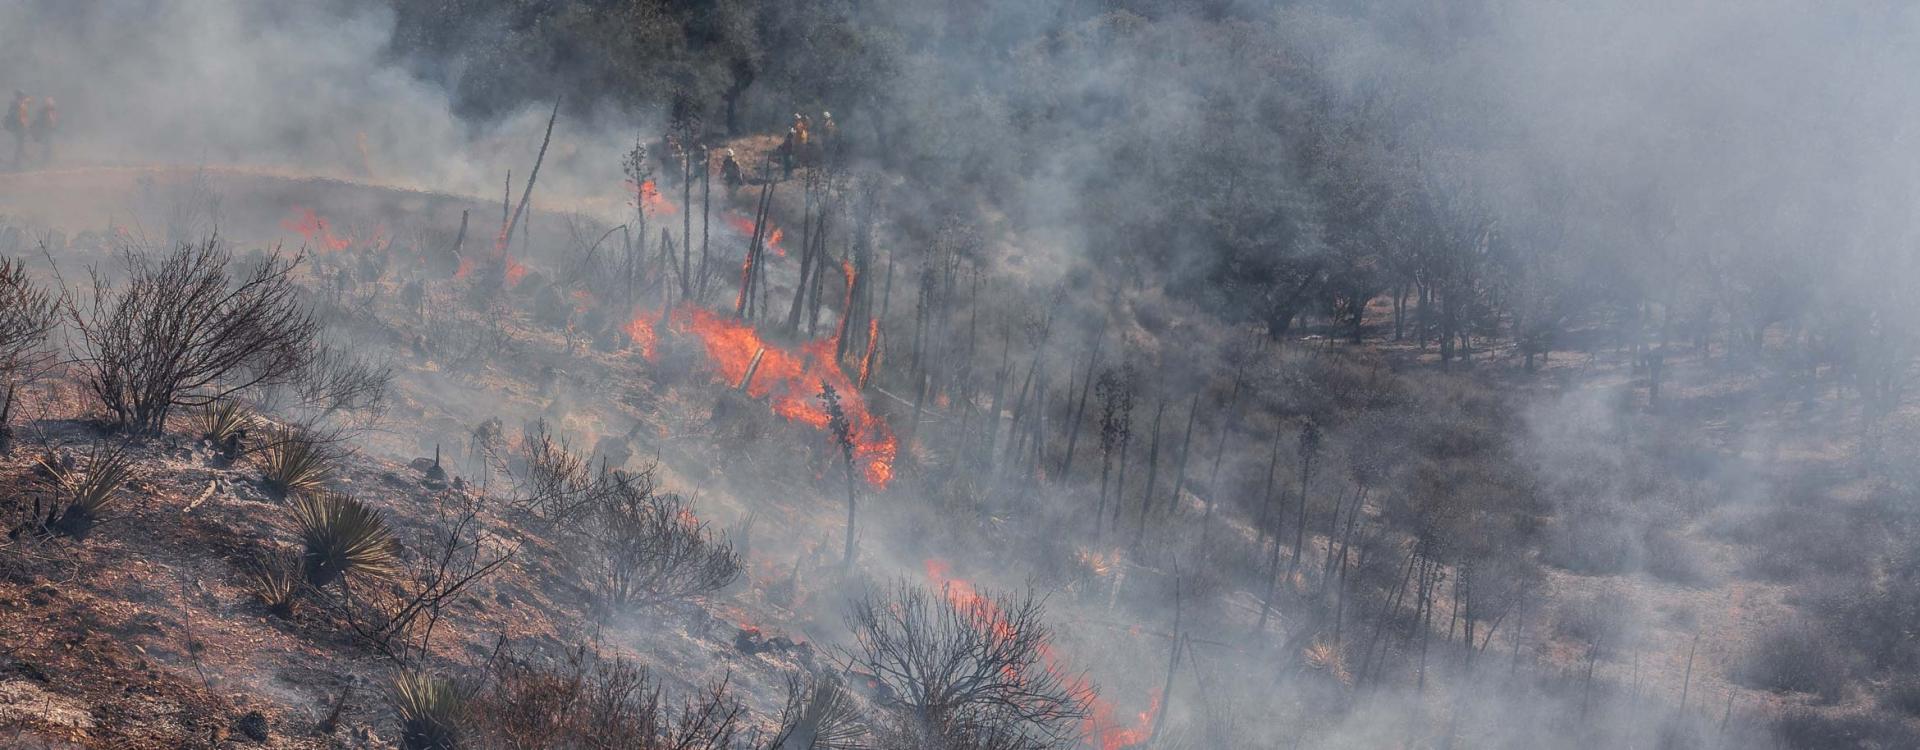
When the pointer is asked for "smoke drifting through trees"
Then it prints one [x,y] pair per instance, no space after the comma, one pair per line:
[1445,200]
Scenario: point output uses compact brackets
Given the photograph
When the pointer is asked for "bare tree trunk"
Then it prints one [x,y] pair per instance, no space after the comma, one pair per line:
[1173,660]
[706,203]
[1153,471]
[1267,516]
[1186,444]
[1080,411]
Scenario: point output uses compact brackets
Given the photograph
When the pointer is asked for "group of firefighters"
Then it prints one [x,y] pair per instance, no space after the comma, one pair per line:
[26,122]
[802,146]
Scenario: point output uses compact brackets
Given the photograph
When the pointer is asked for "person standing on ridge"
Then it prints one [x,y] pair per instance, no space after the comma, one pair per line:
[18,117]
[43,128]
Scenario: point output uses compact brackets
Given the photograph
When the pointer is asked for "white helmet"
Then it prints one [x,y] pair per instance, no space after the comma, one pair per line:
[826,114]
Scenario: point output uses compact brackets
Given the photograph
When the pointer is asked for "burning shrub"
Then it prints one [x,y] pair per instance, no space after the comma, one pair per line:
[81,496]
[341,537]
[647,547]
[433,711]
[185,331]
[295,462]
[971,669]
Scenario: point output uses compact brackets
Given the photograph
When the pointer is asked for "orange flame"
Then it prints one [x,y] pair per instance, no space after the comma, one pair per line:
[647,195]
[515,272]
[791,380]
[775,234]
[1099,727]
[318,233]
[1109,734]
[640,330]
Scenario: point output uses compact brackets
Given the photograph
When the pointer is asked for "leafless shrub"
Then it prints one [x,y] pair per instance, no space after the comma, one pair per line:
[184,330]
[646,547]
[397,619]
[332,382]
[27,314]
[967,669]
[555,482]
[587,702]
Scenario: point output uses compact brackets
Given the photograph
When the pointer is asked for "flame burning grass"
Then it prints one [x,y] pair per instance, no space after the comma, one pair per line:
[775,234]
[1100,727]
[640,330]
[318,232]
[647,195]
[789,378]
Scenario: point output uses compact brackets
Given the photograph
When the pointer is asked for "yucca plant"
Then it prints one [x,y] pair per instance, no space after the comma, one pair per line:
[225,424]
[432,710]
[275,585]
[342,536]
[294,463]
[84,495]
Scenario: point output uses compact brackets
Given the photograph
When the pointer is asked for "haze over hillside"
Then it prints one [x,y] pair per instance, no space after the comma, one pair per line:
[853,374]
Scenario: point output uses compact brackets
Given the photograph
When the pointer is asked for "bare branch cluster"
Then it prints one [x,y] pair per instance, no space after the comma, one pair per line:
[186,330]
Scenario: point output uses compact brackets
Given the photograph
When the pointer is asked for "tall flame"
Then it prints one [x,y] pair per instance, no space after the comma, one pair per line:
[317,231]
[647,195]
[789,378]
[775,234]
[640,330]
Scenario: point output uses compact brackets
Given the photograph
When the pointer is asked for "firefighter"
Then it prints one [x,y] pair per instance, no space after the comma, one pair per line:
[18,117]
[43,127]
[800,130]
[785,152]
[828,129]
[730,171]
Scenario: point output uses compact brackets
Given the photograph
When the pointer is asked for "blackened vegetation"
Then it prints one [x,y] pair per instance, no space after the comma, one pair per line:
[186,329]
[965,669]
[581,700]
[28,313]
[647,547]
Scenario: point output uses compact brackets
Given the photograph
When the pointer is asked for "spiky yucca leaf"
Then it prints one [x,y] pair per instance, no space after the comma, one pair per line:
[221,420]
[276,586]
[293,463]
[342,536]
[432,711]
[87,493]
